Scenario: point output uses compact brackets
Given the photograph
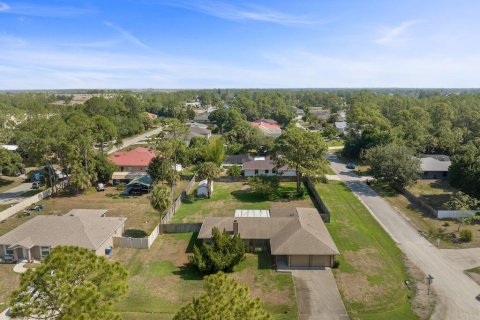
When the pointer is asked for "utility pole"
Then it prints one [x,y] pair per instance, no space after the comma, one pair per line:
[429,281]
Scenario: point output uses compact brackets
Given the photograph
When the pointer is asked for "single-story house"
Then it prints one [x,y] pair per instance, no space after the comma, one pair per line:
[268,127]
[295,237]
[265,166]
[34,239]
[197,131]
[151,116]
[135,160]
[202,117]
[434,166]
[202,188]
[299,113]
[340,126]
[320,113]
[342,115]
[235,160]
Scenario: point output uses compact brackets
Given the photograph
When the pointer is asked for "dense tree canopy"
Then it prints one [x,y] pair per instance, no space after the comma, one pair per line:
[394,164]
[71,283]
[223,299]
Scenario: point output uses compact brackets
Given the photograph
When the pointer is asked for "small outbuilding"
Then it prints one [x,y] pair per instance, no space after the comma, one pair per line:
[202,189]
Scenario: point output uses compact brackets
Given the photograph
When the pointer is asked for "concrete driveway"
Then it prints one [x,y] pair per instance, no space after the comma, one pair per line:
[455,289]
[317,295]
[14,195]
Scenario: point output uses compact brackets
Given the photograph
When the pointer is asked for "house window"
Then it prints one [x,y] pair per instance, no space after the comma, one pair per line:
[266,171]
[256,171]
[44,251]
[8,252]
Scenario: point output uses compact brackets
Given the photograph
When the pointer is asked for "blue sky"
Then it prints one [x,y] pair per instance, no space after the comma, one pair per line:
[257,44]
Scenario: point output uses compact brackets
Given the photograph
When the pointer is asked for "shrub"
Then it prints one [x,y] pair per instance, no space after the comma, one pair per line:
[446,224]
[234,171]
[466,235]
[121,186]
[266,185]
[222,254]
[135,233]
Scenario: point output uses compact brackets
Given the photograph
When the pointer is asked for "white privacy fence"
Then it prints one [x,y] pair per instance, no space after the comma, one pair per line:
[455,214]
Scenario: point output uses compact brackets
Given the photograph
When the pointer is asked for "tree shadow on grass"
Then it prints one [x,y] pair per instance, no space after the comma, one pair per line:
[192,242]
[248,196]
[4,182]
[189,272]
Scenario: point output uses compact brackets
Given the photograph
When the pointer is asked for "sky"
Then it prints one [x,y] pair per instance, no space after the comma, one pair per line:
[175,44]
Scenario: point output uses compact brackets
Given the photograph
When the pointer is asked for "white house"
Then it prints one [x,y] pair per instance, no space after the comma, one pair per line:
[265,166]
[202,189]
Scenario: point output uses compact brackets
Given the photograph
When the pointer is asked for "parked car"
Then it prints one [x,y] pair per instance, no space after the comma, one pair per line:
[351,165]
[100,187]
[36,185]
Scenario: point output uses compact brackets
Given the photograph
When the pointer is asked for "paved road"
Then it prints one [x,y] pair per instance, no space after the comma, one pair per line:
[317,295]
[134,140]
[13,195]
[456,290]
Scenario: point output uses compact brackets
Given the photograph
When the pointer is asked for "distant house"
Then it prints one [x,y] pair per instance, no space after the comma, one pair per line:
[135,160]
[84,228]
[236,160]
[202,189]
[295,237]
[320,113]
[197,130]
[202,117]
[268,127]
[151,116]
[342,115]
[340,126]
[299,113]
[265,166]
[434,166]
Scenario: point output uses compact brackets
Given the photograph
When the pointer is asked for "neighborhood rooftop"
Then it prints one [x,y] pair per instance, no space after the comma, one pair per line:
[137,157]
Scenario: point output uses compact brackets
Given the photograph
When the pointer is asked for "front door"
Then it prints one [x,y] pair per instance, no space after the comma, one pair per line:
[20,253]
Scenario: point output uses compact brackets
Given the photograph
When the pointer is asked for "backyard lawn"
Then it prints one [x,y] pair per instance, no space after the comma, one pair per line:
[371,274]
[433,192]
[228,196]
[160,281]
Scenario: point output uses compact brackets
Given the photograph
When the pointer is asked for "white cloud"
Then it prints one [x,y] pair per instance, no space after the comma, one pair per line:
[392,35]
[228,11]
[127,35]
[29,9]
[4,6]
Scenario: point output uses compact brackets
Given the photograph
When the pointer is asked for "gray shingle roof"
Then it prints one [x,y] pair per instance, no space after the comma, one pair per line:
[429,163]
[291,232]
[87,231]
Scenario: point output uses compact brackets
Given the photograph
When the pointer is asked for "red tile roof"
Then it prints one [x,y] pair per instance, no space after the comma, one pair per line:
[138,157]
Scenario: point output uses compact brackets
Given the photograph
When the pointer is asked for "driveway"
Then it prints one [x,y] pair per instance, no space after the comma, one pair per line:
[13,195]
[317,295]
[134,140]
[455,289]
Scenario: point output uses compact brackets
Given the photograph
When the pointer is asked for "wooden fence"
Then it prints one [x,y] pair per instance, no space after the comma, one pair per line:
[7,213]
[180,227]
[317,200]
[419,203]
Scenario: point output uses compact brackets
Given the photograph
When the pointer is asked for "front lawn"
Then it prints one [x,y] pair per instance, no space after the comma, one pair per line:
[228,196]
[433,192]
[9,281]
[7,183]
[371,274]
[160,281]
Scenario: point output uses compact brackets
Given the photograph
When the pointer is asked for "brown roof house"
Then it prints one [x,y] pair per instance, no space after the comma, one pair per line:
[84,228]
[296,237]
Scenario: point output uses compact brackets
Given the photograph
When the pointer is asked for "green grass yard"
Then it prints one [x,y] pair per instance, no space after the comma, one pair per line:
[228,196]
[161,281]
[371,274]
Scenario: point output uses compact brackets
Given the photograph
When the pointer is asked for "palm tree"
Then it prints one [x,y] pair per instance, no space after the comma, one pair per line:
[160,198]
[209,171]
[79,179]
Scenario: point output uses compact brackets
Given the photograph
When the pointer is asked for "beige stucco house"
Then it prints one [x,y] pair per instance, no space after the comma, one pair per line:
[85,228]
[296,237]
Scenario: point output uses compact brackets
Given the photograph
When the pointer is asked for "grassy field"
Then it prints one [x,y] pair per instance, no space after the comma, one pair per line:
[335,143]
[228,196]
[433,192]
[371,274]
[9,182]
[425,223]
[9,281]
[161,281]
